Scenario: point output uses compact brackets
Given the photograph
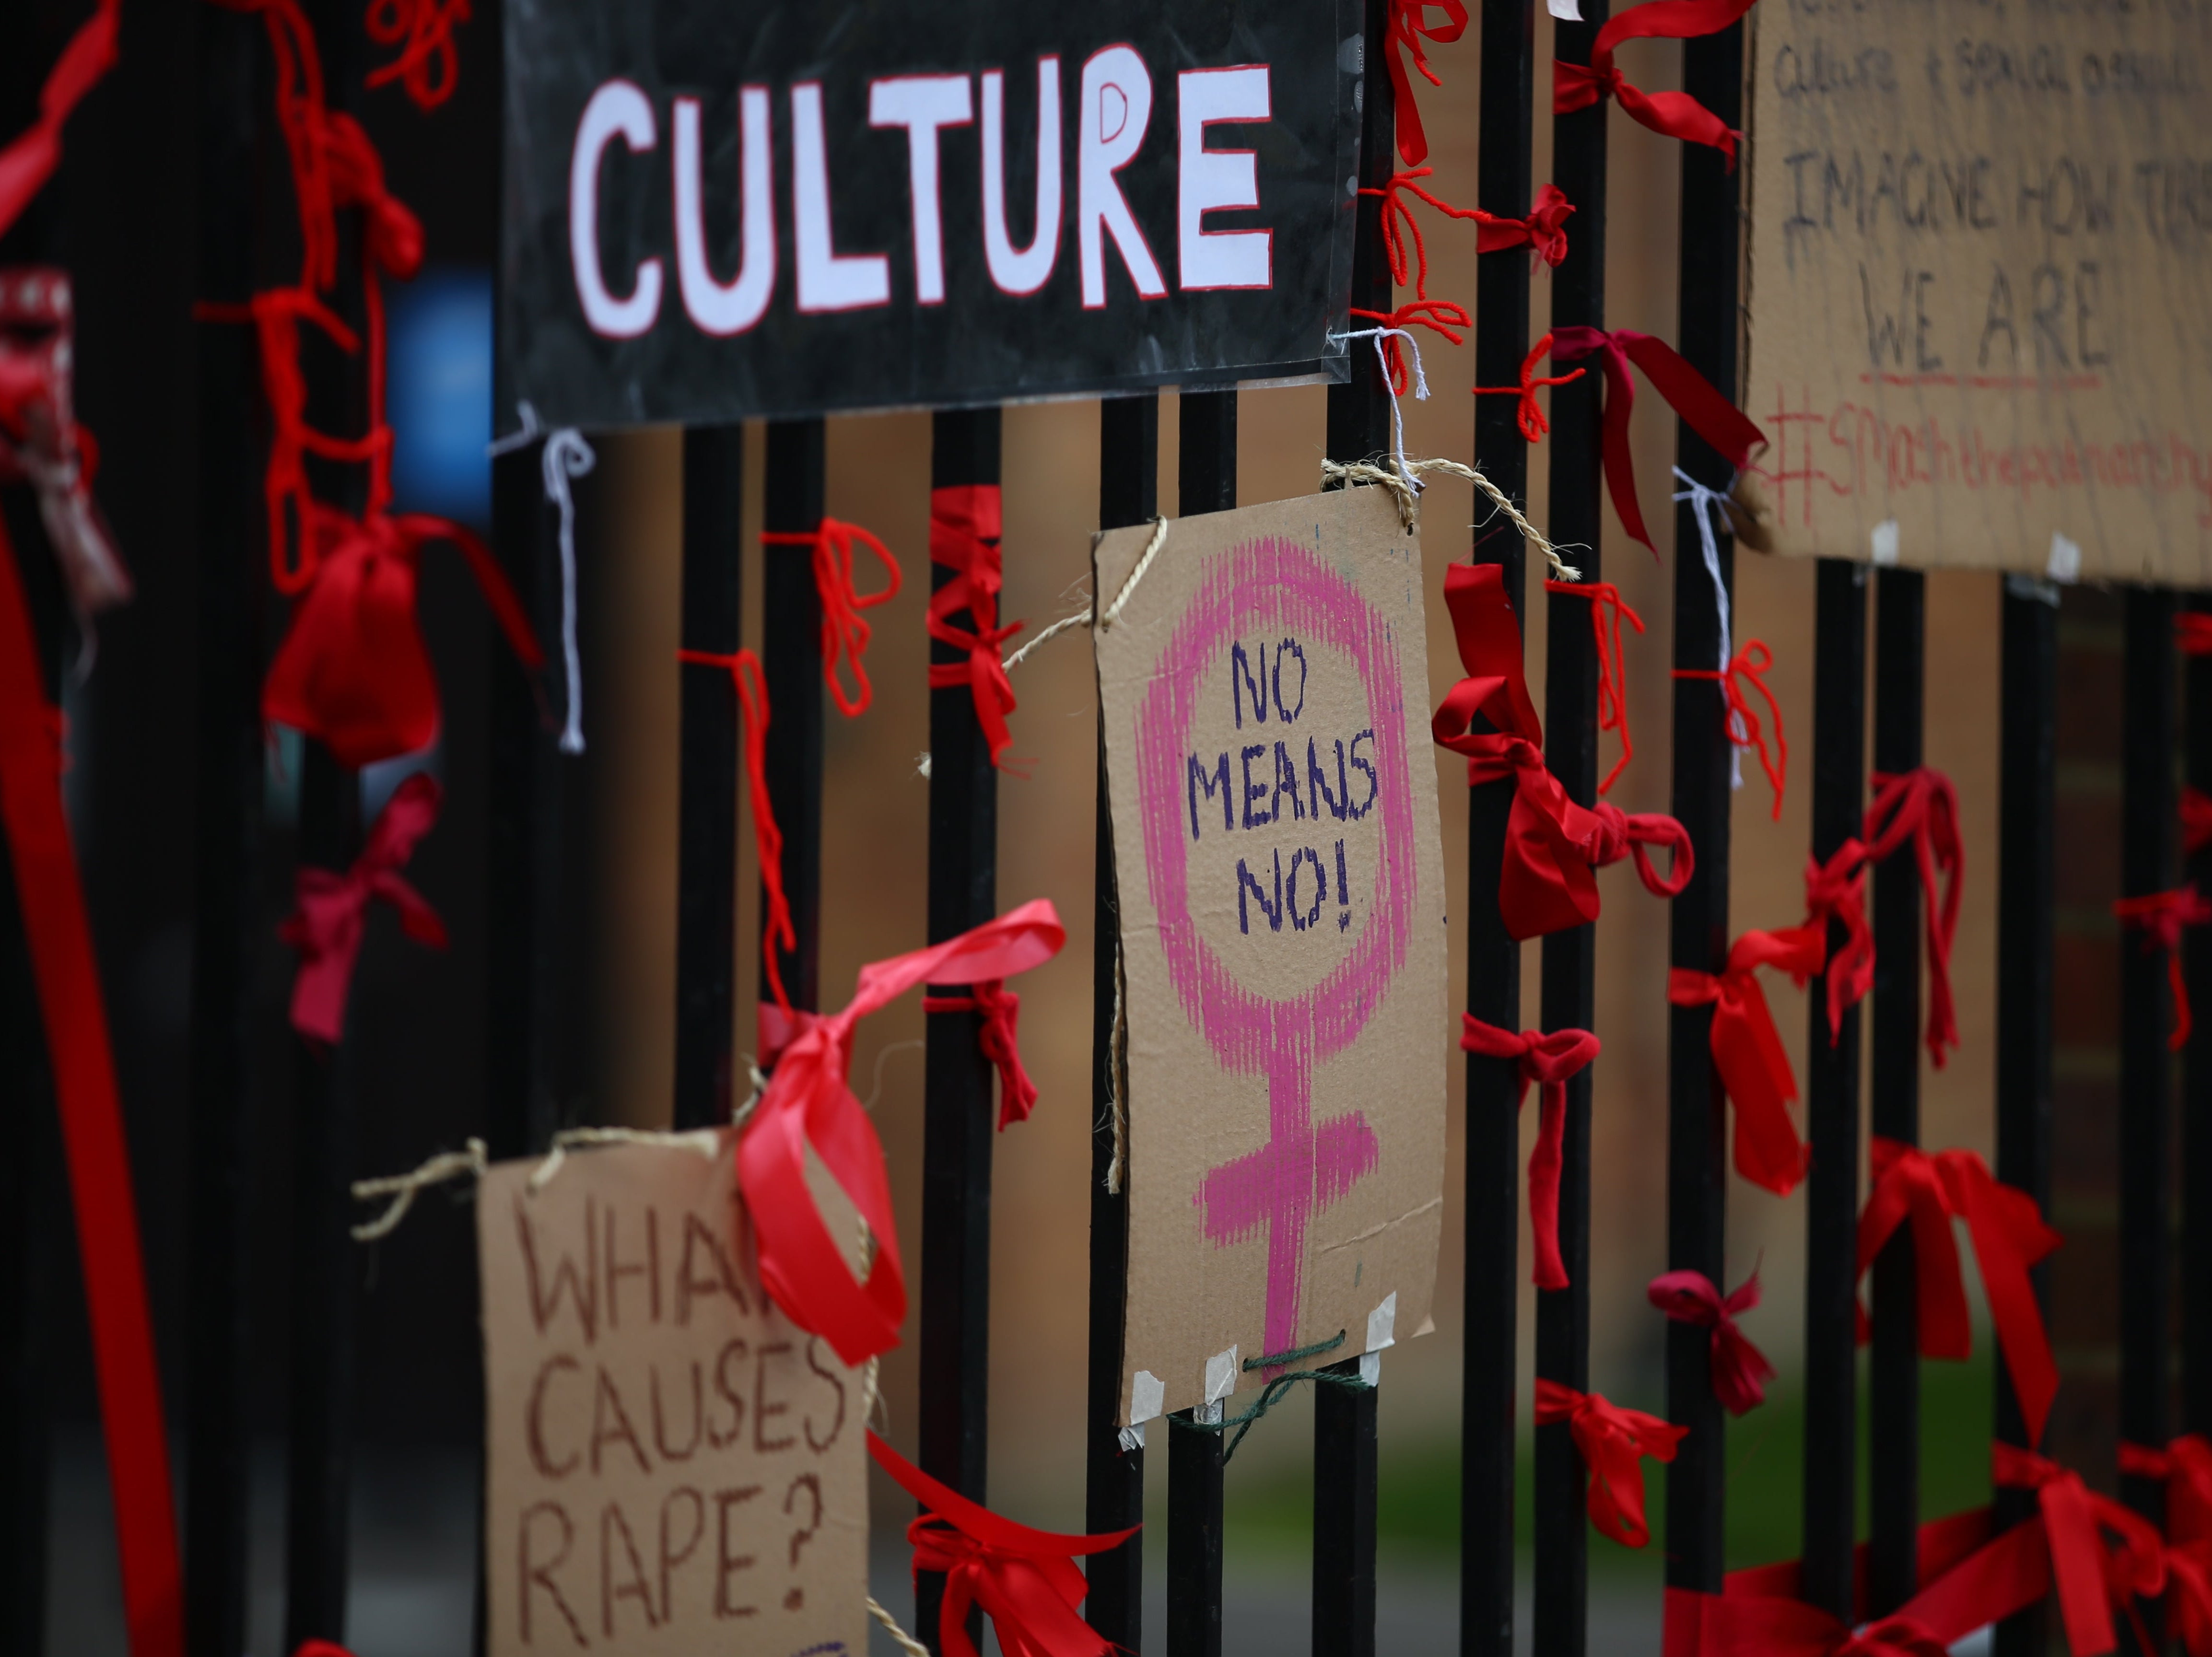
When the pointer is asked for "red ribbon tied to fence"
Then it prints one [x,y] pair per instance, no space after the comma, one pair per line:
[964,537]
[428,65]
[1614,1442]
[2161,916]
[2091,1573]
[2193,632]
[1676,114]
[1544,232]
[1921,805]
[806,1270]
[1747,1051]
[2185,1465]
[1689,393]
[1531,413]
[2189,1596]
[332,909]
[1744,727]
[1605,601]
[999,1039]
[1546,1058]
[2009,1236]
[1407,31]
[29,159]
[1026,1581]
[2195,819]
[776,930]
[1836,891]
[1740,1369]
[843,633]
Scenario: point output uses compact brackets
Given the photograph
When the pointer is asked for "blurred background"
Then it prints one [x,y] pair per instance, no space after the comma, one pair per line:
[125,200]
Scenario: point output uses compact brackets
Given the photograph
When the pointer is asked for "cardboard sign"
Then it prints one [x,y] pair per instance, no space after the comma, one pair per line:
[1981,284]
[673,1467]
[1281,881]
[714,211]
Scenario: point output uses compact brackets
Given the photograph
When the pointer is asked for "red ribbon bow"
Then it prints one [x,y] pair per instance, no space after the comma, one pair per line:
[332,913]
[964,537]
[40,442]
[2091,1573]
[1546,1058]
[1675,114]
[1025,1579]
[1921,805]
[1612,665]
[843,633]
[2161,915]
[1689,393]
[2192,631]
[1740,1369]
[1531,413]
[29,159]
[2185,1465]
[428,65]
[1742,726]
[1613,1442]
[805,1269]
[1547,882]
[2009,1236]
[2195,817]
[1836,890]
[1407,31]
[777,933]
[1747,1052]
[1544,232]
[998,1039]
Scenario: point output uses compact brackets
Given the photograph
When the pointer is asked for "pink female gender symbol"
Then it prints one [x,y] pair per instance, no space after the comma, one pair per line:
[1301,1168]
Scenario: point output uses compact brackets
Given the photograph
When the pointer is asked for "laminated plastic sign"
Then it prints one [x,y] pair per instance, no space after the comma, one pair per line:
[673,1467]
[1280,872]
[712,212]
[1980,286]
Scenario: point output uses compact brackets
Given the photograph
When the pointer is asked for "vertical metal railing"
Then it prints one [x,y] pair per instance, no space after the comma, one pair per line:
[1710,327]
[2197,1080]
[791,671]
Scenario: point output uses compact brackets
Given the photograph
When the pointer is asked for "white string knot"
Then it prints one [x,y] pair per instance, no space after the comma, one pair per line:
[1703,504]
[566,456]
[1420,389]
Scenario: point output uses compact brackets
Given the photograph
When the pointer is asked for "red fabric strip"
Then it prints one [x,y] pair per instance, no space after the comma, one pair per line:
[1544,232]
[1743,726]
[1836,890]
[777,933]
[999,1038]
[1939,1544]
[1614,1442]
[843,633]
[2195,817]
[2092,1574]
[1605,601]
[1408,31]
[2185,1465]
[1747,1051]
[1546,1058]
[1740,1369]
[29,159]
[1676,114]
[964,537]
[2193,632]
[1921,805]
[806,1271]
[2161,916]
[76,1023]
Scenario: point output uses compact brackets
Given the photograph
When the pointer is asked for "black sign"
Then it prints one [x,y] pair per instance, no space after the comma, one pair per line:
[715,210]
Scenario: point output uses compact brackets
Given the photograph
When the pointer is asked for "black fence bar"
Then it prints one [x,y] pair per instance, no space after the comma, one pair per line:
[1831,1108]
[1893,1424]
[2197,1081]
[2027,873]
[1114,1477]
[1491,1289]
[2146,1128]
[956,1165]
[1568,969]
[707,785]
[791,670]
[1206,451]
[1697,1167]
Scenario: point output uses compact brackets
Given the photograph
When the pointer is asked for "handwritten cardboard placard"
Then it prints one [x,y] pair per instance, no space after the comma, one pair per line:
[1980,285]
[673,1467]
[1280,873]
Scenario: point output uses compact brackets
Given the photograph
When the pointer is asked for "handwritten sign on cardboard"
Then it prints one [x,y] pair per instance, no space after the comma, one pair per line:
[673,1468]
[1280,872]
[1980,284]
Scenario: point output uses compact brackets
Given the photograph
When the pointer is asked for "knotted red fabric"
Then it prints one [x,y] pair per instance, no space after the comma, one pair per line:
[777,933]
[428,65]
[2092,1574]
[1836,891]
[1546,1058]
[998,1039]
[1743,726]
[2009,1236]
[1026,1581]
[1531,413]
[2193,632]
[1605,601]
[2185,1465]
[320,1648]
[1544,232]
[1613,1442]
[1409,30]
[41,443]
[963,539]
[2189,1596]
[1740,1369]
[1689,393]
[332,913]
[843,633]
[29,159]
[1921,805]
[805,1269]
[2161,916]
[1676,114]
[59,943]
[2195,820]
[1747,1052]
[1547,880]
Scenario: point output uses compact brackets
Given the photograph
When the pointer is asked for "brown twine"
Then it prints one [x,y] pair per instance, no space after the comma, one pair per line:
[1407,494]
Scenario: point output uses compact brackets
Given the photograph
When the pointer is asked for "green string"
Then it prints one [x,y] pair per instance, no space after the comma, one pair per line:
[1272,1394]
[1277,1360]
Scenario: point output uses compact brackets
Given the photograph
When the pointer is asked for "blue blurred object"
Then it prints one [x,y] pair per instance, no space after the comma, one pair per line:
[439,393]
